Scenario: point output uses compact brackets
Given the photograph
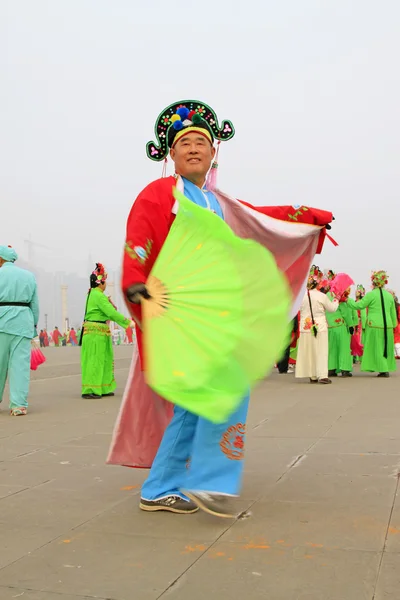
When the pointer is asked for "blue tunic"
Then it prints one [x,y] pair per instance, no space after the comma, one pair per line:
[202,197]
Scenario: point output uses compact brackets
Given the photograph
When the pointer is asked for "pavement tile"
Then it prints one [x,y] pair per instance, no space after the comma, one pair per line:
[11,448]
[9,490]
[386,427]
[281,445]
[20,538]
[64,475]
[357,444]
[304,427]
[393,535]
[74,455]
[43,506]
[128,519]
[28,474]
[114,566]
[256,572]
[301,486]
[319,480]
[13,593]
[388,586]
[100,439]
[313,525]
[269,462]
[386,465]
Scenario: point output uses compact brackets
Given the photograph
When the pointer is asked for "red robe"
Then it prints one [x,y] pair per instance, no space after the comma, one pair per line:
[302,214]
[72,336]
[45,338]
[56,335]
[129,334]
[151,218]
[143,415]
[397,328]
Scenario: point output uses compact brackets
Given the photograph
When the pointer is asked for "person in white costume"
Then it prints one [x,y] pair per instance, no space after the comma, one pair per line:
[312,355]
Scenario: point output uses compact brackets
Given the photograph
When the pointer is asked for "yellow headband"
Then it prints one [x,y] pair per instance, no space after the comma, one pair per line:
[204,132]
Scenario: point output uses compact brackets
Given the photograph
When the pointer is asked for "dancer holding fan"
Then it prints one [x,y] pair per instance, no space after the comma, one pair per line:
[207,297]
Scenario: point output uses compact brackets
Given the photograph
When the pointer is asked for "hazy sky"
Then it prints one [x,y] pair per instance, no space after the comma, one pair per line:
[312,87]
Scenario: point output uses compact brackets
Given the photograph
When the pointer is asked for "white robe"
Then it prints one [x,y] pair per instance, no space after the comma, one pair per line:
[312,354]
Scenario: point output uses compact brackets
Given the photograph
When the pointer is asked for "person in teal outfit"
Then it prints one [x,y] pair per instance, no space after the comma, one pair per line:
[19,314]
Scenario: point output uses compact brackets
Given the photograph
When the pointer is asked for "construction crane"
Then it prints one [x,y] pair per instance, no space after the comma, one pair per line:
[30,246]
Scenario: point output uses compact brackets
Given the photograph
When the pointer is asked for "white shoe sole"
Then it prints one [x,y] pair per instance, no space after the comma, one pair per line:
[156,508]
[207,509]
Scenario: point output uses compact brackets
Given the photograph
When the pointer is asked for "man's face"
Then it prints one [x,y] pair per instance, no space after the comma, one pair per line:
[192,156]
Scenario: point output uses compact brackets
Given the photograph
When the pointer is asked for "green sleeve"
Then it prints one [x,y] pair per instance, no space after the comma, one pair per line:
[393,314]
[348,314]
[360,304]
[111,313]
[363,317]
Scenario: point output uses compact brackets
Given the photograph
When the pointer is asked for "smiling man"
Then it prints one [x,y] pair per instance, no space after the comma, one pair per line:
[198,464]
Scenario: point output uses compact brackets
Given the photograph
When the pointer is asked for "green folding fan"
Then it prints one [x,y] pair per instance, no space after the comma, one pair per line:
[218,317]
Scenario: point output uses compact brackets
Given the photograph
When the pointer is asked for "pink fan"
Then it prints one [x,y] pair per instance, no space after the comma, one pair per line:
[340,284]
[37,357]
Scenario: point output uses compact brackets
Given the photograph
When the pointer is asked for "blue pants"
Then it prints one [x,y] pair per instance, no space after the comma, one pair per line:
[198,455]
[15,360]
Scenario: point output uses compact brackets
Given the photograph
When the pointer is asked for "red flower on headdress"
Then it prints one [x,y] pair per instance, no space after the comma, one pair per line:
[100,272]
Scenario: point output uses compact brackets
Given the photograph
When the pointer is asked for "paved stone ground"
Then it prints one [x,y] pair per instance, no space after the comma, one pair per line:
[321,482]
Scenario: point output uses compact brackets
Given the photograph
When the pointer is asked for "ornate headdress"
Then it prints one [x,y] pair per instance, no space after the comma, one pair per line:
[325,281]
[181,118]
[324,285]
[315,277]
[360,291]
[379,278]
[98,276]
[330,275]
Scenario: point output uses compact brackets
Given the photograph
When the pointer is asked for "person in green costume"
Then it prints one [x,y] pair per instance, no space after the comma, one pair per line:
[378,354]
[97,358]
[340,329]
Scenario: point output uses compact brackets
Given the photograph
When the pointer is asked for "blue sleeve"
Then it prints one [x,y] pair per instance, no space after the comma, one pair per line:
[34,305]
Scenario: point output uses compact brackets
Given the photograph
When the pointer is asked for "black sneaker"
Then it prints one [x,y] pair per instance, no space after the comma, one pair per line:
[174,504]
[218,505]
[383,374]
[90,396]
[109,394]
[332,373]
[347,374]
